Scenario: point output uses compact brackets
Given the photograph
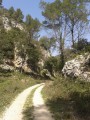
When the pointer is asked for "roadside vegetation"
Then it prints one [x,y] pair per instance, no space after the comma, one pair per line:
[68,99]
[11,84]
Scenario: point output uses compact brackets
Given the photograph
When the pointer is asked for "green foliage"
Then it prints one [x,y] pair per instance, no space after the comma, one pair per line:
[20,39]
[34,55]
[18,15]
[52,11]
[63,17]
[54,20]
[47,43]
[82,45]
[6,46]
[68,99]
[11,12]
[1,24]
[87,49]
[32,28]
[77,17]
[12,85]
[8,40]
[51,64]
[0,3]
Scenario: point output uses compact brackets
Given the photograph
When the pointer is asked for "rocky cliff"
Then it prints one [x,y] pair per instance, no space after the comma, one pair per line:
[8,24]
[78,67]
[19,62]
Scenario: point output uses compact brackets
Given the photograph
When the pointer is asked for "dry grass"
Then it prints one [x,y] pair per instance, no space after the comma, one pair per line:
[11,84]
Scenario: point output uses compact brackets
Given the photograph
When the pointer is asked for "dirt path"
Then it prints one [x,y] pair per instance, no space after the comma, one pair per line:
[14,112]
[41,112]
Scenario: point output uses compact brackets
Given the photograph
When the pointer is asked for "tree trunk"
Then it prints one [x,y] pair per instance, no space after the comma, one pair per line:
[62,59]
[72,32]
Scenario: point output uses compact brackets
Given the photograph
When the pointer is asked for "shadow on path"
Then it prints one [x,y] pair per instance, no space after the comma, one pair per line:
[42,113]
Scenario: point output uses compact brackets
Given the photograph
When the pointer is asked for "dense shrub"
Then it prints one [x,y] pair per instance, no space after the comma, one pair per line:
[6,46]
[51,64]
[82,45]
[34,56]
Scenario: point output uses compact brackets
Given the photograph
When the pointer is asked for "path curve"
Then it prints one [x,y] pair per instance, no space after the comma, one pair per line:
[14,112]
[41,112]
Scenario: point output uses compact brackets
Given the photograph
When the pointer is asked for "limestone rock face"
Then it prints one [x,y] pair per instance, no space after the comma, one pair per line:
[9,24]
[20,62]
[45,73]
[26,68]
[45,55]
[17,58]
[78,67]
[6,67]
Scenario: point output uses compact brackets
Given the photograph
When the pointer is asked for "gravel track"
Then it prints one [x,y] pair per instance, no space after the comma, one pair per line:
[41,111]
[14,112]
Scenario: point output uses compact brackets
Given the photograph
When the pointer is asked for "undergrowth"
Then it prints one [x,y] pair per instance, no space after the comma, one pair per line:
[11,84]
[68,99]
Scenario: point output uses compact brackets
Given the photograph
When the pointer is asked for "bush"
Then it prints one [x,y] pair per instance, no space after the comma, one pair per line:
[82,45]
[34,56]
[51,65]
[68,99]
[6,46]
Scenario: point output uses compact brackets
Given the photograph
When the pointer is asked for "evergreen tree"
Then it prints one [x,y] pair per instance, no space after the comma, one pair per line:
[62,17]
[18,15]
[32,28]
[11,12]
[0,3]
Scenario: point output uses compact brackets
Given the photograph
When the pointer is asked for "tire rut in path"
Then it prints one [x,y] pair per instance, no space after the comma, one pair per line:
[41,112]
[14,112]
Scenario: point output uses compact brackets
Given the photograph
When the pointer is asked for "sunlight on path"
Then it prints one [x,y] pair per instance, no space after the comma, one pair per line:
[14,112]
[41,112]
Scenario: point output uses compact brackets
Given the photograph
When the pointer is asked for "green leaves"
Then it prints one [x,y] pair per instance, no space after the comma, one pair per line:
[6,46]
[11,12]
[32,27]
[34,55]
[18,16]
[51,64]
[52,11]
[47,43]
[0,3]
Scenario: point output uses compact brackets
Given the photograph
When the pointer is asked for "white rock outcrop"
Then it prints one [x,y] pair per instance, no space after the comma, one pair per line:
[45,55]
[78,67]
[21,62]
[6,67]
[9,24]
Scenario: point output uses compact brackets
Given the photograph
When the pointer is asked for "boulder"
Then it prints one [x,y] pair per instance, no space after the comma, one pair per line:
[6,67]
[45,73]
[26,68]
[78,67]
[45,55]
[20,62]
